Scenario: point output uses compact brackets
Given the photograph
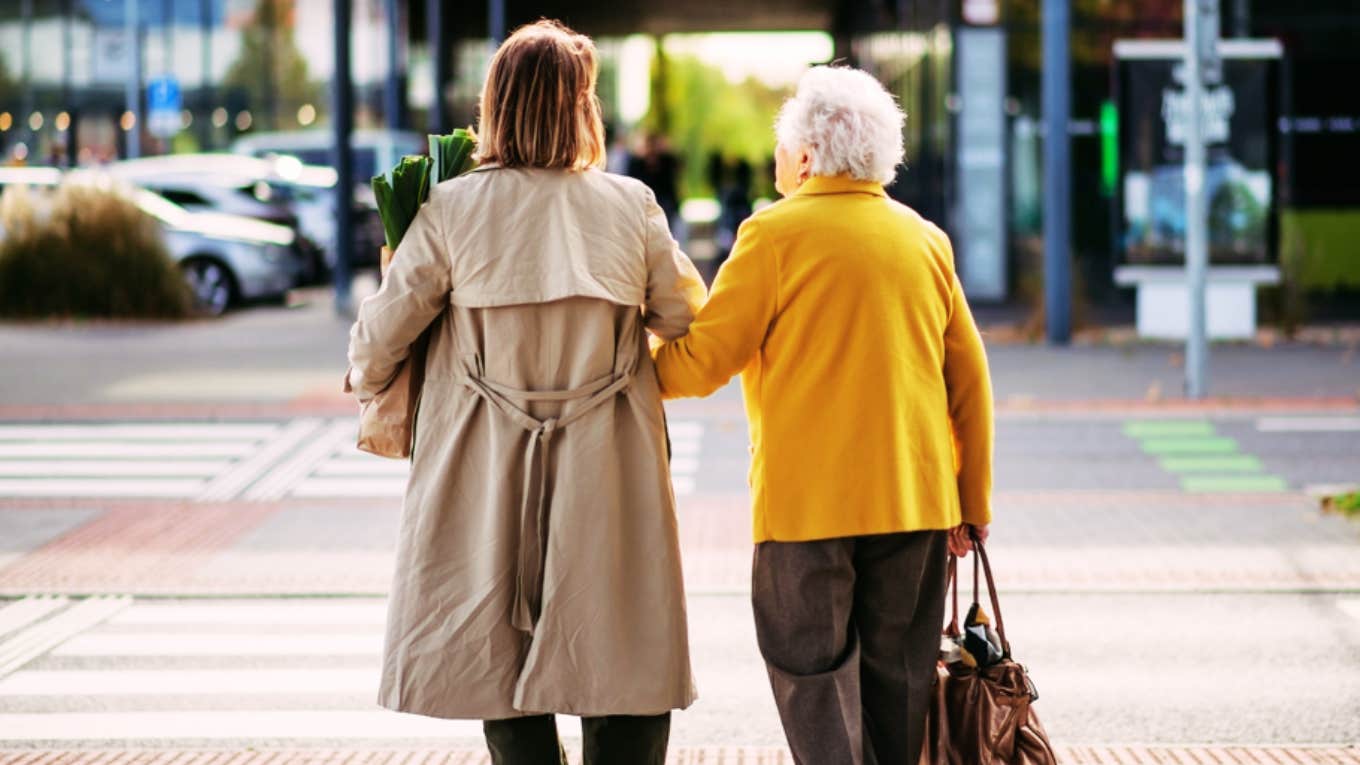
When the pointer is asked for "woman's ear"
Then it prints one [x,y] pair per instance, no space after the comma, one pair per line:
[804,165]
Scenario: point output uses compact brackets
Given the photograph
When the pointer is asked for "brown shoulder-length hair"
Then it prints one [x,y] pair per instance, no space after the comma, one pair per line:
[539,107]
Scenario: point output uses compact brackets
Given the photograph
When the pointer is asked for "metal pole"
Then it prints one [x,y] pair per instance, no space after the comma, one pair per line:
[1196,223]
[132,93]
[26,45]
[66,72]
[439,62]
[342,121]
[392,91]
[495,14]
[1057,109]
[205,20]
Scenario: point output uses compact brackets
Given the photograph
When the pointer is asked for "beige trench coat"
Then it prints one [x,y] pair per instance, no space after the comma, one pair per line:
[538,563]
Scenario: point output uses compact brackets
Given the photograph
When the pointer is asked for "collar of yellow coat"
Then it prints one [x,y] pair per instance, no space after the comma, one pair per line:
[839,184]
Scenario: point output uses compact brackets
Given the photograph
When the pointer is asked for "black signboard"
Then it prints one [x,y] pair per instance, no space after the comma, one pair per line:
[1240,118]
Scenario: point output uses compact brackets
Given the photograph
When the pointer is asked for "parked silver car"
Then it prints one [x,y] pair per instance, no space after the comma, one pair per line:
[278,191]
[225,258]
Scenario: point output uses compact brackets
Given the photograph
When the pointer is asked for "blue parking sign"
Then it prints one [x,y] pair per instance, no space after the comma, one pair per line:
[163,105]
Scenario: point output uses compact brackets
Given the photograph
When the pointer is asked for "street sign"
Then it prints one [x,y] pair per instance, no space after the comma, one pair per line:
[163,104]
[1206,45]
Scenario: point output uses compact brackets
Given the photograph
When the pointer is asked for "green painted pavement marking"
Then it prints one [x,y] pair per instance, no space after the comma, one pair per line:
[1189,445]
[1235,463]
[1212,483]
[1168,428]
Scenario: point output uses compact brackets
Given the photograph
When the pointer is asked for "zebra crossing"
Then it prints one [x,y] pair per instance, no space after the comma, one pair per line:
[302,458]
[111,670]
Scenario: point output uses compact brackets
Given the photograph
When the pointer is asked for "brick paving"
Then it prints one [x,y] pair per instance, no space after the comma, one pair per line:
[1074,540]
[1124,755]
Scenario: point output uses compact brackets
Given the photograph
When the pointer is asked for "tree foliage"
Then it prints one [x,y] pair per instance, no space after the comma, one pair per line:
[270,71]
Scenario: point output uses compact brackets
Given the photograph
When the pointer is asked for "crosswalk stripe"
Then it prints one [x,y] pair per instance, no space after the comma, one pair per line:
[26,611]
[124,449]
[229,484]
[365,466]
[114,468]
[198,644]
[34,641]
[1308,424]
[179,432]
[279,613]
[276,483]
[208,682]
[231,724]
[100,487]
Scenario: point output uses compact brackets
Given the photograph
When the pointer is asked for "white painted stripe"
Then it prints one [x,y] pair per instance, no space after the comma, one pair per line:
[282,478]
[226,644]
[21,613]
[688,448]
[684,485]
[123,449]
[33,642]
[685,429]
[229,485]
[253,614]
[225,725]
[100,487]
[113,468]
[1350,607]
[359,488]
[1308,424]
[210,682]
[365,466]
[186,431]
[681,465]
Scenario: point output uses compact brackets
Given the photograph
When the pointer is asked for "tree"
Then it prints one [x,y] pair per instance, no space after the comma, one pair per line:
[270,74]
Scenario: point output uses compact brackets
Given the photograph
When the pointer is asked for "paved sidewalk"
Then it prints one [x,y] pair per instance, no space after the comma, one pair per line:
[684,756]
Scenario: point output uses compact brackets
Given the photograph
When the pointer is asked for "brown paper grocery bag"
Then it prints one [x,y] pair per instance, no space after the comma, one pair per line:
[386,421]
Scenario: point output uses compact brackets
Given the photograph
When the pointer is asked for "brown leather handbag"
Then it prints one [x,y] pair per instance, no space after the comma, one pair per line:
[387,421]
[983,715]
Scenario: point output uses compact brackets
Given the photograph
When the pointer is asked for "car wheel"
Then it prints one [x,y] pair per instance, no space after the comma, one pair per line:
[211,284]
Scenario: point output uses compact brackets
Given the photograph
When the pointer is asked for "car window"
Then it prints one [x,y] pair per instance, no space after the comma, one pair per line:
[184,198]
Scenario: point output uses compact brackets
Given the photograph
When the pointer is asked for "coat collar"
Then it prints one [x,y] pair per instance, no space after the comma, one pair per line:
[839,184]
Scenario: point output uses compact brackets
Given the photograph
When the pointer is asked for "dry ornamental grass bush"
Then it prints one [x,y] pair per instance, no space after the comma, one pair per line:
[84,251]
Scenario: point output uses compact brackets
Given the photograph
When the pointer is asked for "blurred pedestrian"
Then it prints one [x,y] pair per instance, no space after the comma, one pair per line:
[659,168]
[538,564]
[870,410]
[734,202]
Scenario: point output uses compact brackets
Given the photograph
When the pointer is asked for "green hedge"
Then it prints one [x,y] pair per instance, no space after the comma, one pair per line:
[1320,249]
[87,251]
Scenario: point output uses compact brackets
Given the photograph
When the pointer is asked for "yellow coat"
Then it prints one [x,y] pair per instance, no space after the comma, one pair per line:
[864,376]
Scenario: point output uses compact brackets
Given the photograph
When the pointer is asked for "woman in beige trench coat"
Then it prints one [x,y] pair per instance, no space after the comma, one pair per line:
[538,564]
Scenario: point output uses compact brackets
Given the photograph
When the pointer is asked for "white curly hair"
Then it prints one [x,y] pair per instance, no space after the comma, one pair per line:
[849,123]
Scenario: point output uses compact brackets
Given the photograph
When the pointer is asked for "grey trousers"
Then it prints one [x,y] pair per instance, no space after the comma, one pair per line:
[850,631]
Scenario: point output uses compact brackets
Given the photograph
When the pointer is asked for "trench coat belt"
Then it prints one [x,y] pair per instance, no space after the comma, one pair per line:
[534,509]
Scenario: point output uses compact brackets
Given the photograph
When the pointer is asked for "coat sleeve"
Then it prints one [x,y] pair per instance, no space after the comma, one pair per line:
[413,293]
[730,328]
[675,291]
[968,385]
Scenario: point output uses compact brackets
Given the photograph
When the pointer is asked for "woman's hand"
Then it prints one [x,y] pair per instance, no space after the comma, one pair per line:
[961,538]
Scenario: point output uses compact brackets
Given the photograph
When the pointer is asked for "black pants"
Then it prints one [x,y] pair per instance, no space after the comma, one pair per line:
[615,740]
[850,631]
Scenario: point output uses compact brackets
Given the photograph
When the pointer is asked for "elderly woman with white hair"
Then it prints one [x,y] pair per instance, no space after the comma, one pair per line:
[870,410]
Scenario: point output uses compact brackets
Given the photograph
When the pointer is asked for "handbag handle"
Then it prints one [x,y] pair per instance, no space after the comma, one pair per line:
[979,560]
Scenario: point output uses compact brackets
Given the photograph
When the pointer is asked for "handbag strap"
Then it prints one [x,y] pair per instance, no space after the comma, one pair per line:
[980,558]
[952,584]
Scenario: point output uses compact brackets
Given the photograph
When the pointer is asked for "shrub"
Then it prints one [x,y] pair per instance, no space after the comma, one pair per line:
[84,250]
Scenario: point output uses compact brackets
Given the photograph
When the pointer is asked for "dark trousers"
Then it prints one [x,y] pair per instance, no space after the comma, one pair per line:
[850,631]
[615,740]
